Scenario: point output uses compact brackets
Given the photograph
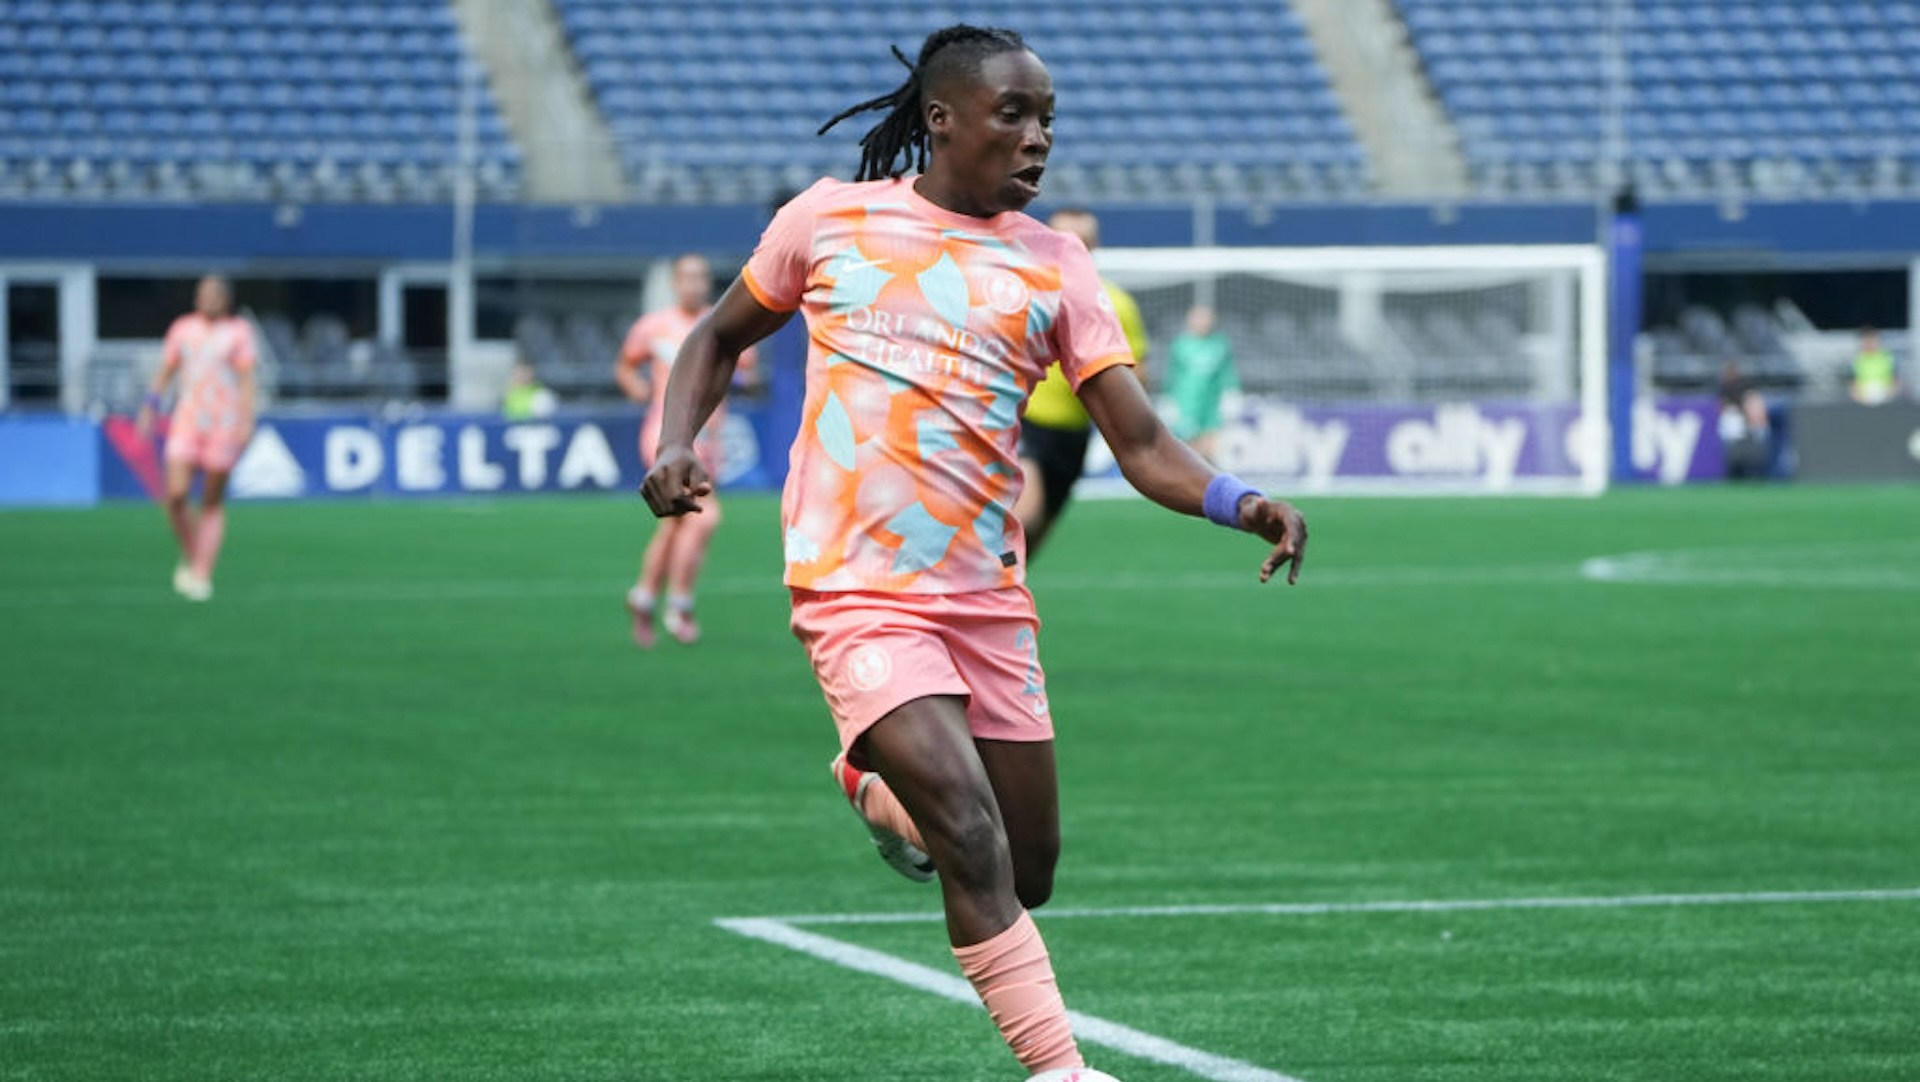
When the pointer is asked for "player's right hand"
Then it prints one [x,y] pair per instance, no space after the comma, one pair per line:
[143,423]
[675,483]
[1280,523]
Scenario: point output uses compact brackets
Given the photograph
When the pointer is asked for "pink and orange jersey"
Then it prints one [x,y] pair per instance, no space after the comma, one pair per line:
[210,355]
[654,341]
[927,330]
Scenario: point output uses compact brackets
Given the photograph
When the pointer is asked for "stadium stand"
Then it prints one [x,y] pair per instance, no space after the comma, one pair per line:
[1687,355]
[322,362]
[1287,341]
[237,101]
[1159,101]
[1755,98]
[573,352]
[358,101]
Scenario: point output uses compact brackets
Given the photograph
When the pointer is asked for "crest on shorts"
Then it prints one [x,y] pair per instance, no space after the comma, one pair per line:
[870,668]
[1006,293]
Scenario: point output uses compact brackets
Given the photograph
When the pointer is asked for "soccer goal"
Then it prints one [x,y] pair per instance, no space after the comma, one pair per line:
[1381,370]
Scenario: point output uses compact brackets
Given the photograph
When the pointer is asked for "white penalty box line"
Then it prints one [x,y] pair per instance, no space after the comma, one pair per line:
[1087,1028]
[788,932]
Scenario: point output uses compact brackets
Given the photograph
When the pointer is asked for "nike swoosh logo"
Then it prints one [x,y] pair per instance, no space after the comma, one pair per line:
[863,264]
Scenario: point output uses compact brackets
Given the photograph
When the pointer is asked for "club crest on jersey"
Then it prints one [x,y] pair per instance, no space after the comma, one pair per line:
[1007,294]
[870,668]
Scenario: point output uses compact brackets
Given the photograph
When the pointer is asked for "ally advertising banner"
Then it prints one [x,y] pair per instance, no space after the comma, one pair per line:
[1489,447]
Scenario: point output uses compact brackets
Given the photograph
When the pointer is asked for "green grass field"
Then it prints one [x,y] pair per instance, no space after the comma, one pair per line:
[403,802]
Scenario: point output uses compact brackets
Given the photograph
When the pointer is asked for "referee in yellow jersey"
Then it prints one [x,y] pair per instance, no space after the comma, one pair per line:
[1055,433]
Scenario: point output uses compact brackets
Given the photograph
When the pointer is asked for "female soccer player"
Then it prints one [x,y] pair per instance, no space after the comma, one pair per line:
[213,354]
[679,547]
[933,306]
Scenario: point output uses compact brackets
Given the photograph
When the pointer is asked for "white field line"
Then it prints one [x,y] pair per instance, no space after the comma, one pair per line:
[1883,570]
[1446,905]
[1087,1028]
[1655,569]
[491,590]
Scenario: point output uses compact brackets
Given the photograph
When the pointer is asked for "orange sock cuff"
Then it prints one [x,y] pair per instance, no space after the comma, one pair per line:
[1014,977]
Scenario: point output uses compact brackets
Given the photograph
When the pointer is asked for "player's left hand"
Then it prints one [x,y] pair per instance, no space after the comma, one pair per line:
[676,482]
[1281,523]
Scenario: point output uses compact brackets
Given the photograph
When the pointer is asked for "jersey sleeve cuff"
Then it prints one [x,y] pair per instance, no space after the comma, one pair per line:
[761,295]
[1087,371]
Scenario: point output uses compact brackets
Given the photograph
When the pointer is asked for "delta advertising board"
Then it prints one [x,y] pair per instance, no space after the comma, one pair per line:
[308,457]
[1485,447]
[1461,447]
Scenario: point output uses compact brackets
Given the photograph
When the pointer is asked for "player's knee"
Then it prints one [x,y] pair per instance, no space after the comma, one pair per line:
[971,843]
[1033,867]
[1034,887]
[1031,510]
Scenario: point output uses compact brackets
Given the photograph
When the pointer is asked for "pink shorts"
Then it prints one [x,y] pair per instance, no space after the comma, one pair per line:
[875,652]
[213,451]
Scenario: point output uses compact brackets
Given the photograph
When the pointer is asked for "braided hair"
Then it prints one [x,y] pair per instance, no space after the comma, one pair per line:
[901,139]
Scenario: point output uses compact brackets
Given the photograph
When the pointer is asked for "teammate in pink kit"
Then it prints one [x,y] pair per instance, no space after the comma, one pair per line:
[933,306]
[211,352]
[678,548]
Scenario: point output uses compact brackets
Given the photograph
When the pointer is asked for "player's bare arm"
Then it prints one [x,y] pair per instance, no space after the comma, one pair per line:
[626,373]
[1173,475]
[156,394]
[701,374]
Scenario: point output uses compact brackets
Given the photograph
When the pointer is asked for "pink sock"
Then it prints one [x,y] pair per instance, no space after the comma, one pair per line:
[880,807]
[206,549]
[1014,977]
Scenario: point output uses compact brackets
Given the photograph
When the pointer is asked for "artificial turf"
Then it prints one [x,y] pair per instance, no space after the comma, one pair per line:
[403,801]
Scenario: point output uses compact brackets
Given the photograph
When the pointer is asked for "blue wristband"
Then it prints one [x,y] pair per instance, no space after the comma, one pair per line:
[1222,502]
[152,401]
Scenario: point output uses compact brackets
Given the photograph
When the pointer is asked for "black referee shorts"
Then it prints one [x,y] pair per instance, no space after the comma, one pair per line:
[1062,455]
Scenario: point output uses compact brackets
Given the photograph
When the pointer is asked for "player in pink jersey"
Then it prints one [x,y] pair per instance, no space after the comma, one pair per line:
[211,351]
[933,305]
[678,548]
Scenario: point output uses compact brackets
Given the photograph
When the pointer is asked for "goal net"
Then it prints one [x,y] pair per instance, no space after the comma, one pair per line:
[1380,370]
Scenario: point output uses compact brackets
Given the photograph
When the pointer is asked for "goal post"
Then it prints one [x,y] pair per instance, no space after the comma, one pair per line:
[1402,371]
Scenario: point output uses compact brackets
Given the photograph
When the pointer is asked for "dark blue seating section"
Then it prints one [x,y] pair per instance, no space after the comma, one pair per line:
[242,99]
[1156,100]
[359,99]
[1726,97]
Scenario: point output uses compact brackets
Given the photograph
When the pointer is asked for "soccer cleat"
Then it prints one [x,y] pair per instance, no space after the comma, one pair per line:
[195,588]
[899,854]
[642,621]
[680,623]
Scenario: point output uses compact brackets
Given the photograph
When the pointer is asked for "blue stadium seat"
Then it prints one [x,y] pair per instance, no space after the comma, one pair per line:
[686,88]
[1729,85]
[201,89]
